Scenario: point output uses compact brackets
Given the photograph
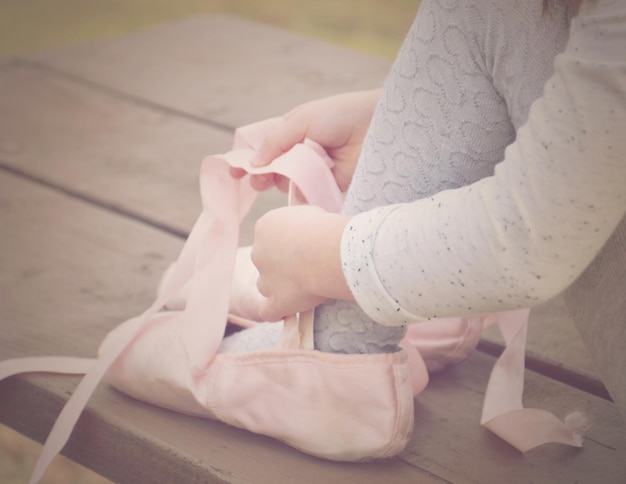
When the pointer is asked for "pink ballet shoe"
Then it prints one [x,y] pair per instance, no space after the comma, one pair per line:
[310,400]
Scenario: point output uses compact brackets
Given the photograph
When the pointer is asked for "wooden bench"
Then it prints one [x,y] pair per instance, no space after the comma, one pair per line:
[100,147]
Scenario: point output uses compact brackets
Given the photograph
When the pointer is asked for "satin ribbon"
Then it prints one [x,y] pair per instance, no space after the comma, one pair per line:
[503,412]
[307,166]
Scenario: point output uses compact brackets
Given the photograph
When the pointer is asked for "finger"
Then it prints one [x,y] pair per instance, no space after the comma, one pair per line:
[268,312]
[282,139]
[237,172]
[267,307]
[262,182]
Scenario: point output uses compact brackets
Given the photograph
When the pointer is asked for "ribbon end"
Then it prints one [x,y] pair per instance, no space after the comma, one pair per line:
[579,424]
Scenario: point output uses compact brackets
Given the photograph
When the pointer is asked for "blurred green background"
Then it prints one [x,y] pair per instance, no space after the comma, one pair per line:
[374,26]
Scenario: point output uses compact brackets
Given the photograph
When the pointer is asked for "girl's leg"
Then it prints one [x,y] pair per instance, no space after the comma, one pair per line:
[461,85]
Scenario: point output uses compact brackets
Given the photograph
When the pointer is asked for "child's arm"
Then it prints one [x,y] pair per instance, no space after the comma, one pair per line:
[521,236]
[510,240]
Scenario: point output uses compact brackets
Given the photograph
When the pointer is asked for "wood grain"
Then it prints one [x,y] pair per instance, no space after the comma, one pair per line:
[71,271]
[448,443]
[220,68]
[119,155]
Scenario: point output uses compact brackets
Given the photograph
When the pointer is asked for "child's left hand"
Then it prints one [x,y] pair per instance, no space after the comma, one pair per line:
[297,252]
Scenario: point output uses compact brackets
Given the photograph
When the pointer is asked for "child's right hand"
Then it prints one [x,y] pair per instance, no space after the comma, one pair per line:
[338,123]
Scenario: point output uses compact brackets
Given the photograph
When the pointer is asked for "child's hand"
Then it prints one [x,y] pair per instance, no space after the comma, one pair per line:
[338,123]
[297,252]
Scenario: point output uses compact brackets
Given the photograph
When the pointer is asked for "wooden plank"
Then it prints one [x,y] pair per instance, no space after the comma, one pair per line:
[124,156]
[71,272]
[449,443]
[220,68]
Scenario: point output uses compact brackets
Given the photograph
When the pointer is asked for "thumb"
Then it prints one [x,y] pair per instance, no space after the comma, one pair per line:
[282,139]
[267,311]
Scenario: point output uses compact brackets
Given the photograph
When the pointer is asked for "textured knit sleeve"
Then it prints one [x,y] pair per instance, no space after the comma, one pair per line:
[521,236]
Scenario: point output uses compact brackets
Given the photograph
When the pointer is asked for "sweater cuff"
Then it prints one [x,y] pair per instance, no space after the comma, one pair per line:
[357,249]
